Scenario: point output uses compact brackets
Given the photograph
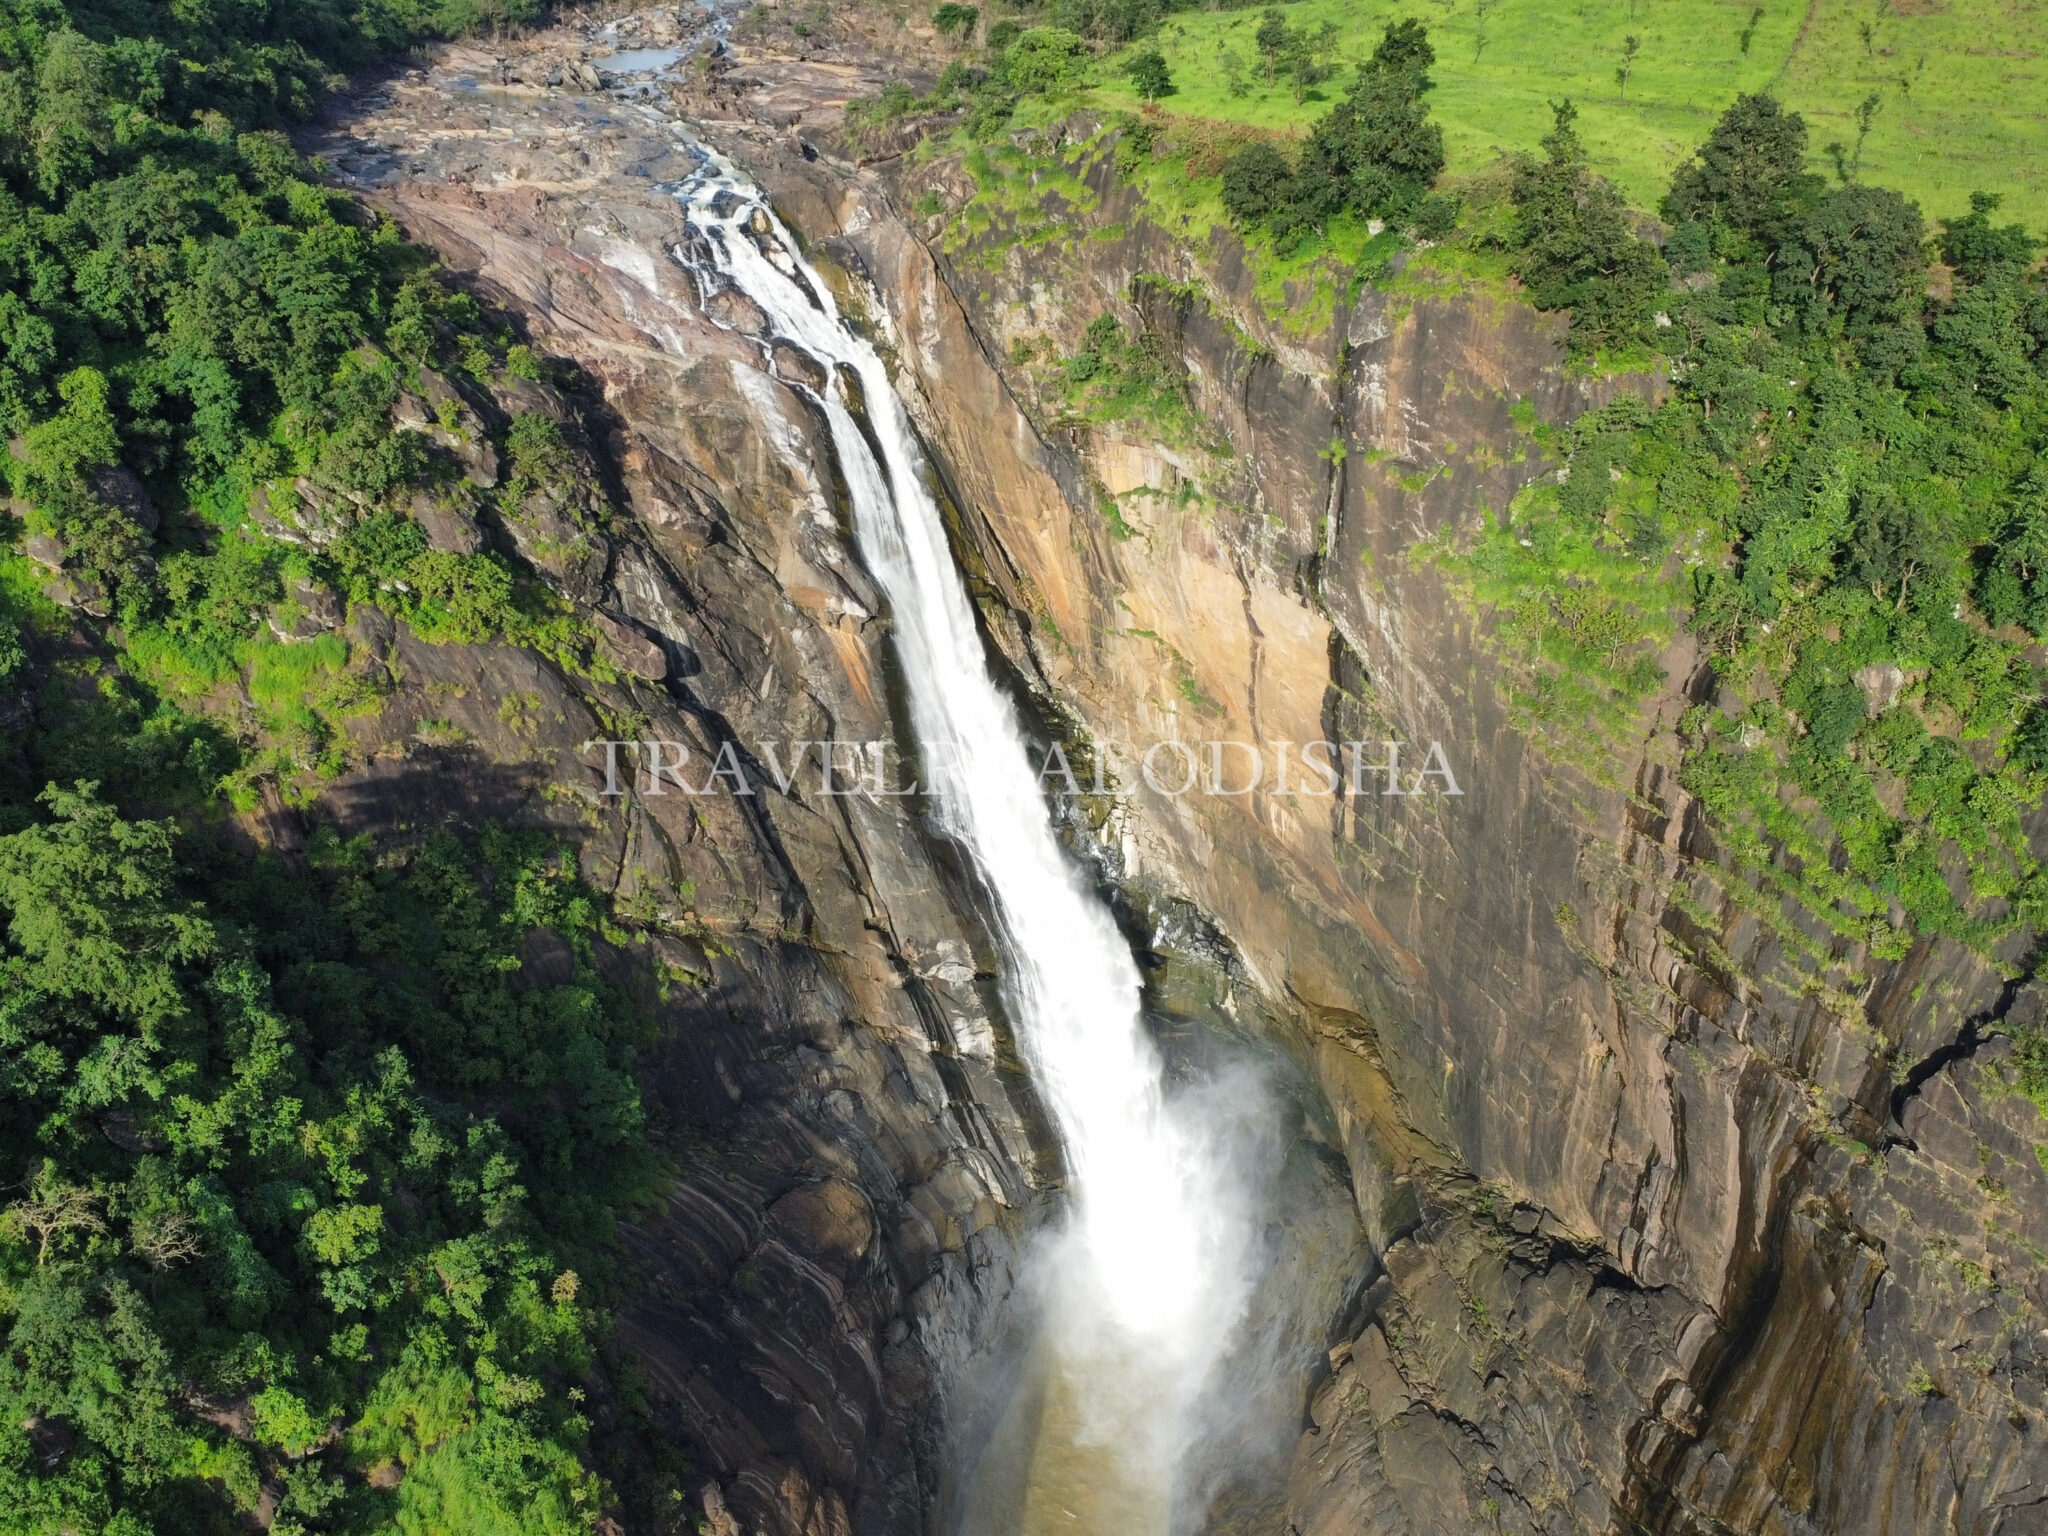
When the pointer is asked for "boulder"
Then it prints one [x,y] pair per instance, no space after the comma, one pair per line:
[545,960]
[793,365]
[118,488]
[736,312]
[830,1218]
[554,529]
[80,593]
[449,525]
[516,396]
[629,650]
[309,610]
[322,604]
[444,413]
[262,513]
[322,516]
[1881,684]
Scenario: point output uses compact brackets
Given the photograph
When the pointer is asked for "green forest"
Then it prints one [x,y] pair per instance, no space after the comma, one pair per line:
[304,1186]
[1843,497]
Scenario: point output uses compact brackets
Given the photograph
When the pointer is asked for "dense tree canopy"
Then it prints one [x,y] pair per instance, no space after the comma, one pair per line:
[1575,243]
[299,1168]
[185,315]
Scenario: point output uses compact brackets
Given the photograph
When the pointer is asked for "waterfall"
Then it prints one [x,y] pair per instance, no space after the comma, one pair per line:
[1150,1277]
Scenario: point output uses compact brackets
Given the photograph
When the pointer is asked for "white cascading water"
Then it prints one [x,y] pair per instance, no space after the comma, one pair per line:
[1151,1279]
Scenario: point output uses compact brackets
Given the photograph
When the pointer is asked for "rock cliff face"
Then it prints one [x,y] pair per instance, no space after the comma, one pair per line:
[1671,1245]
[1670,1238]
[856,1160]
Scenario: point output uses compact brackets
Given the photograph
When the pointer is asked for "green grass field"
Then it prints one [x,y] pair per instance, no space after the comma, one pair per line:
[1962,84]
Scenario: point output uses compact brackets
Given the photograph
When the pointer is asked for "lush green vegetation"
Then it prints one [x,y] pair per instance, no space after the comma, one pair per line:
[1120,375]
[255,1236]
[1375,155]
[308,1174]
[1961,87]
[191,329]
[1842,496]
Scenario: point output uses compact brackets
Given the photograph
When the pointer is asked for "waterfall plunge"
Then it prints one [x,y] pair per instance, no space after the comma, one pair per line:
[1151,1276]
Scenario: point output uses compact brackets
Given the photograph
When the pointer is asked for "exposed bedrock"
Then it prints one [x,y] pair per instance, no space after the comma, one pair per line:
[1677,1234]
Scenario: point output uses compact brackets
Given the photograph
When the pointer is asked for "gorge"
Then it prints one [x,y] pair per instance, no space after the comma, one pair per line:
[1397,1154]
[1608,1236]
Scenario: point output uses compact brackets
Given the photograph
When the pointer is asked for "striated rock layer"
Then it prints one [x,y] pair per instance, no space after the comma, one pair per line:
[1668,1241]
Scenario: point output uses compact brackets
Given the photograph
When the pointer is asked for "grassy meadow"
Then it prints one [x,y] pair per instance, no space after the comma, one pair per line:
[1962,85]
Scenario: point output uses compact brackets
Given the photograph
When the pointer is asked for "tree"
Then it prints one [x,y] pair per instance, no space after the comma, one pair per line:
[1114,21]
[1976,248]
[72,126]
[1751,173]
[93,912]
[1404,49]
[1273,39]
[52,1211]
[1748,36]
[1118,21]
[1149,74]
[1629,49]
[953,17]
[1890,543]
[183,307]
[1376,153]
[57,454]
[1307,60]
[1257,183]
[1983,341]
[1574,247]
[1043,61]
[1479,14]
[1232,68]
[1866,114]
[1858,252]
[2029,745]
[1849,163]
[1377,149]
[17,111]
[2012,575]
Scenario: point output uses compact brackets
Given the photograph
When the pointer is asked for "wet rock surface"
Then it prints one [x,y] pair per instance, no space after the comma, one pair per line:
[1669,1243]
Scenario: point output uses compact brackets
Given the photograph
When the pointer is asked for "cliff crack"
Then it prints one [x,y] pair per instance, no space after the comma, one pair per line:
[1976,1031]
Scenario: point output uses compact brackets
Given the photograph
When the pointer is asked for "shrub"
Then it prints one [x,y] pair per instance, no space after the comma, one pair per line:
[2029,743]
[1257,183]
[1043,61]
[1976,248]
